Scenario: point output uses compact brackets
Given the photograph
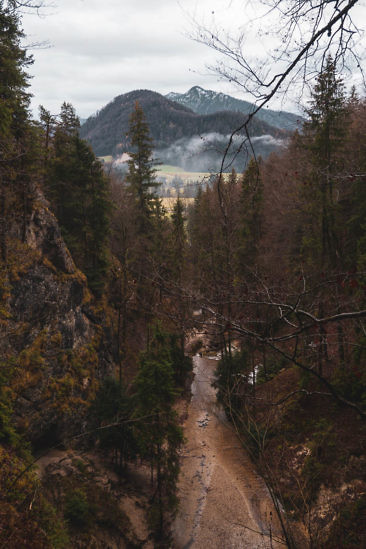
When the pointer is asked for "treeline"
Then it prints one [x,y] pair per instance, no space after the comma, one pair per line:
[279,256]
[283,246]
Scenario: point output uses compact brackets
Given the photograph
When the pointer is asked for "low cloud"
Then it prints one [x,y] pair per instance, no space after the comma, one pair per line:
[269,140]
[204,153]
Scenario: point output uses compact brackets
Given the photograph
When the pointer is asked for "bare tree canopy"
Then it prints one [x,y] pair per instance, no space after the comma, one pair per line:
[293,40]
[21,5]
[295,37]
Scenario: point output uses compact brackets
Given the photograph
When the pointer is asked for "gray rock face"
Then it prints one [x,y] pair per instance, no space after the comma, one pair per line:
[43,234]
[44,301]
[57,342]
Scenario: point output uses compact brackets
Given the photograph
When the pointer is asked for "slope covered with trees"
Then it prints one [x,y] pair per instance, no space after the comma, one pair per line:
[280,267]
[81,292]
[168,122]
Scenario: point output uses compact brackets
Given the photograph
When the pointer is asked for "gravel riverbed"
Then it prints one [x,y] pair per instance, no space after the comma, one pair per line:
[224,503]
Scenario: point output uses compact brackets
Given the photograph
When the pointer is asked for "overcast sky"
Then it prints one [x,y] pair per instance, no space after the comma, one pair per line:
[99,49]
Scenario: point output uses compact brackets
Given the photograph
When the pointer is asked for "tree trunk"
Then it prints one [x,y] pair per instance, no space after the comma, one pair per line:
[3,224]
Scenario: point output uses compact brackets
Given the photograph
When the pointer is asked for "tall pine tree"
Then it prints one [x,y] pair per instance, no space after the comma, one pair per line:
[79,193]
[141,169]
[17,134]
[324,135]
[159,433]
[142,184]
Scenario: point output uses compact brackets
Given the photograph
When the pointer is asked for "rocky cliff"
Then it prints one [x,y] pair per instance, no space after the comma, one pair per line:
[53,339]
[55,345]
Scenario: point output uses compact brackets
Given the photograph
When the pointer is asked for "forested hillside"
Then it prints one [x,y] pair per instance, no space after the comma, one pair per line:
[104,298]
[92,345]
[280,264]
[169,122]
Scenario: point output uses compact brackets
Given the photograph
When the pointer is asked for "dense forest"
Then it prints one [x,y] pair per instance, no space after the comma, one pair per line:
[280,255]
[103,297]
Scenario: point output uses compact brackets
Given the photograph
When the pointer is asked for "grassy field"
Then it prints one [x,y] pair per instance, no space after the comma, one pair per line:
[166,168]
[171,172]
[170,176]
[169,202]
[105,159]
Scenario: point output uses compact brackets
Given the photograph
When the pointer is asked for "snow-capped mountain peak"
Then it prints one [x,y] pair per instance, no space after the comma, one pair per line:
[204,101]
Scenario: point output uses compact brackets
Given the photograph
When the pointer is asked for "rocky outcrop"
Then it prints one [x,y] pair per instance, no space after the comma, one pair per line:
[54,340]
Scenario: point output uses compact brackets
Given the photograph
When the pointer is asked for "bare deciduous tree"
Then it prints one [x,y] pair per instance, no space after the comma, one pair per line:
[300,35]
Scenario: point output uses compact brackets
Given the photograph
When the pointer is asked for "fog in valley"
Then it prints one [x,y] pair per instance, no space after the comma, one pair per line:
[204,153]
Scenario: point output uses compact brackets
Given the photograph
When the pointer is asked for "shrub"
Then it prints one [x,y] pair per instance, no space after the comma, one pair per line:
[77,508]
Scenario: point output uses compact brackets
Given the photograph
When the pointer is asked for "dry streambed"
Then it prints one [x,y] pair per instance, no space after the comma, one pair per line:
[223,502]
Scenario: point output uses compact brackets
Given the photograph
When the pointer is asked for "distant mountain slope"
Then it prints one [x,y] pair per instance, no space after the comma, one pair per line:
[169,122]
[204,101]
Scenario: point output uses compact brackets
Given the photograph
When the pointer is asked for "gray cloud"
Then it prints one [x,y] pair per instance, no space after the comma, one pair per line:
[269,140]
[102,49]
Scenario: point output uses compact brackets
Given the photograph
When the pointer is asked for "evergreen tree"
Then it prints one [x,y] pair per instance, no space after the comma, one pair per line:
[179,240]
[182,364]
[78,190]
[13,82]
[206,238]
[251,205]
[159,434]
[148,210]
[59,187]
[17,137]
[69,121]
[160,259]
[322,222]
[324,136]
[112,412]
[48,126]
[178,245]
[141,170]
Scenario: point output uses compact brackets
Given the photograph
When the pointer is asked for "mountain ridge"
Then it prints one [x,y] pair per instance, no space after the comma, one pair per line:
[204,101]
[169,122]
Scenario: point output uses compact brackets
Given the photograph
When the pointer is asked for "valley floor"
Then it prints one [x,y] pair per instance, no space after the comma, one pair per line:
[223,501]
